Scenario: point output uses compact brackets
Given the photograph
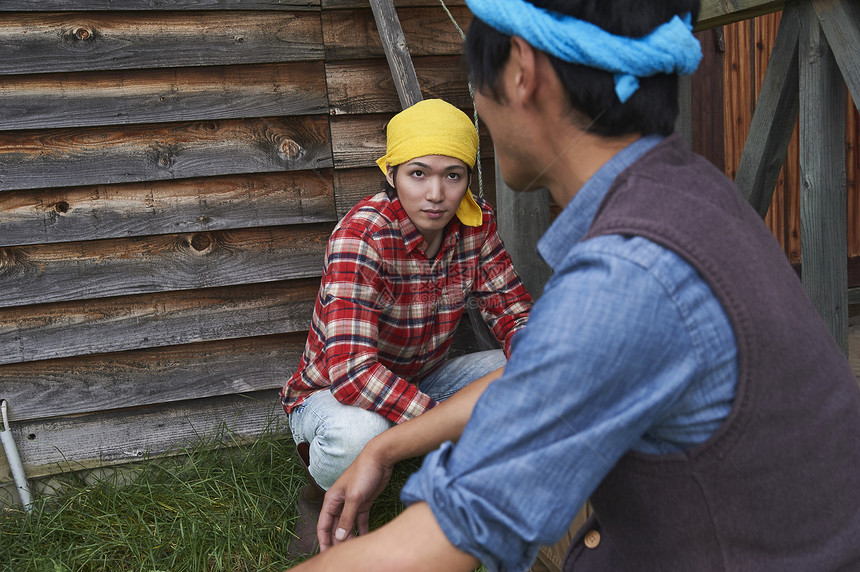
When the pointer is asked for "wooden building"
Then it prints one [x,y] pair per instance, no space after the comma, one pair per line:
[170,171]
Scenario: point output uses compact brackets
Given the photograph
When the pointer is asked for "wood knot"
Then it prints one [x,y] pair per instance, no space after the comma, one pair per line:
[200,241]
[290,149]
[62,207]
[83,33]
[165,160]
[7,260]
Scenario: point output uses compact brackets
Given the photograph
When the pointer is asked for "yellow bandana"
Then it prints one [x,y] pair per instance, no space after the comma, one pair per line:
[435,127]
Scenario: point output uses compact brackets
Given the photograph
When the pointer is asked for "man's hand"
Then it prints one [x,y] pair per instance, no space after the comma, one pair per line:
[347,503]
[411,542]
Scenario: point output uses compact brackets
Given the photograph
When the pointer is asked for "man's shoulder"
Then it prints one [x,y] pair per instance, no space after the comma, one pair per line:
[368,217]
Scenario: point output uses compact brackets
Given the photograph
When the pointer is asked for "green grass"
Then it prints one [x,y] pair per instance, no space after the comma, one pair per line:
[206,510]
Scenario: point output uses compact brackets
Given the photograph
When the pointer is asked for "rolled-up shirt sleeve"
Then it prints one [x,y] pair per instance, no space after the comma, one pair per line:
[582,386]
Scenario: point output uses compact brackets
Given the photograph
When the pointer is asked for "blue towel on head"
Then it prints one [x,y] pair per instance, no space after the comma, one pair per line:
[671,48]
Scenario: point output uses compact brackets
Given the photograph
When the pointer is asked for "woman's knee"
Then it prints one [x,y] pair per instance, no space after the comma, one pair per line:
[338,443]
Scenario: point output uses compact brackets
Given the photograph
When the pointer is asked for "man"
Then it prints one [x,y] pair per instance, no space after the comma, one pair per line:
[398,270]
[673,372]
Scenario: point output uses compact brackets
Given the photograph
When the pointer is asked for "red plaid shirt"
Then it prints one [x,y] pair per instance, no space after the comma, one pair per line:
[385,315]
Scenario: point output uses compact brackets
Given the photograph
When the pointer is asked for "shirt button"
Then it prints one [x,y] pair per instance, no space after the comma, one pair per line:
[592,539]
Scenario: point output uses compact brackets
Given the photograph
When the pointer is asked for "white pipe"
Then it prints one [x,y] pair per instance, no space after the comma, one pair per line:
[15,461]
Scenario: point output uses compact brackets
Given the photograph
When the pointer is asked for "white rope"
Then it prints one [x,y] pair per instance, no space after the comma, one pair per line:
[474,109]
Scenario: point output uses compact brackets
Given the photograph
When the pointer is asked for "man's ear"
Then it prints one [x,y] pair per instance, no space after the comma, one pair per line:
[389,175]
[523,66]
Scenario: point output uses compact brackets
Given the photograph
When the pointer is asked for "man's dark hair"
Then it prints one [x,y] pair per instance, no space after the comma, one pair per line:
[654,106]
[388,187]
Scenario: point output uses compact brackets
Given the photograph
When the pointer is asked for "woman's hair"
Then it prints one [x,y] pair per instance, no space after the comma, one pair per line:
[594,105]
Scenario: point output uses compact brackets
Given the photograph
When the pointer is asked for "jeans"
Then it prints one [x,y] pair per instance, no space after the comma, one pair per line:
[337,433]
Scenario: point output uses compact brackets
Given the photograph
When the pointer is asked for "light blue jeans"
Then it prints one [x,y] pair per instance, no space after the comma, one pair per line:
[337,433]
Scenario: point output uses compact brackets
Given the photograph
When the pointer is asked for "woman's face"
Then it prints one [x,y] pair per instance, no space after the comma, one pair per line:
[430,189]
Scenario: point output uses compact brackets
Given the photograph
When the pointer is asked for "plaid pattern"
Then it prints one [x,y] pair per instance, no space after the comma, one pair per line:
[385,315]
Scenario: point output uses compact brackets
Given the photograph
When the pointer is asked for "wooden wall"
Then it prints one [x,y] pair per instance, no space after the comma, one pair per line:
[169,175]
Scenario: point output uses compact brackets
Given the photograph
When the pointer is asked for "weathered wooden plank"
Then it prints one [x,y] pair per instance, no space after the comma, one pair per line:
[738,77]
[351,185]
[774,117]
[57,330]
[822,167]
[684,120]
[84,99]
[852,175]
[841,22]
[52,388]
[396,52]
[359,140]
[340,4]
[715,13]
[352,34]
[51,446]
[103,155]
[116,267]
[164,207]
[80,41]
[366,86]
[91,5]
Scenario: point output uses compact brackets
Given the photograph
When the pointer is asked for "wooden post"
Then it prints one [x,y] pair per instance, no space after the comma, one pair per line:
[774,117]
[409,92]
[523,218]
[684,121]
[396,52]
[823,221]
[840,20]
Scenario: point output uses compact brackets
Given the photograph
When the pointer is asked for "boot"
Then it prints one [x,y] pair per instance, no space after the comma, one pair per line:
[309,506]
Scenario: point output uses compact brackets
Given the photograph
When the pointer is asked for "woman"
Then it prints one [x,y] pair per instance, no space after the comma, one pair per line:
[397,273]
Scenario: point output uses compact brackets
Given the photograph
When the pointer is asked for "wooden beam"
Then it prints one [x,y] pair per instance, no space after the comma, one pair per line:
[66,329]
[715,13]
[137,378]
[774,117]
[83,99]
[840,20]
[79,41]
[823,186]
[113,5]
[103,155]
[72,214]
[396,52]
[67,271]
[684,121]
[77,442]
[523,217]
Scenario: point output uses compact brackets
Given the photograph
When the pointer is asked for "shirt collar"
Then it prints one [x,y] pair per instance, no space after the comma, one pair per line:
[574,221]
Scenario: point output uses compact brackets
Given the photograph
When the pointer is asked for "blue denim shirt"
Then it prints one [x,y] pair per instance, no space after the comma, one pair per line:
[627,348]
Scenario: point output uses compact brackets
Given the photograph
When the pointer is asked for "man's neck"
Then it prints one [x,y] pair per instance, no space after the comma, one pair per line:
[578,159]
